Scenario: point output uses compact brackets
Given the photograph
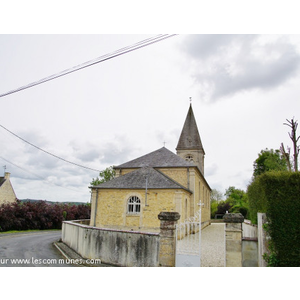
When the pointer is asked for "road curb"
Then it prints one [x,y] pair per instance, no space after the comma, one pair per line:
[61,251]
[74,258]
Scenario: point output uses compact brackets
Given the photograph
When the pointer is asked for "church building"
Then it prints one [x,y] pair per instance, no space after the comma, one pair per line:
[156,182]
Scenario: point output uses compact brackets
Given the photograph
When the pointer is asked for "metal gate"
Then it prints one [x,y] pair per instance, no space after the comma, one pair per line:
[188,242]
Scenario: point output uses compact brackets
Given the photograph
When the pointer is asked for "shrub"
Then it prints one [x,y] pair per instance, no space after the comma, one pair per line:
[223,207]
[278,195]
[39,215]
[213,208]
[257,199]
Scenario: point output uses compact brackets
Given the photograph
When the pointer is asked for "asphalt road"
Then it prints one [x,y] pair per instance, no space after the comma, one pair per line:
[33,249]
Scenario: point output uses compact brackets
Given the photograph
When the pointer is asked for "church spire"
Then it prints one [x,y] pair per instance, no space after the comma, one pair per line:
[190,138]
[189,145]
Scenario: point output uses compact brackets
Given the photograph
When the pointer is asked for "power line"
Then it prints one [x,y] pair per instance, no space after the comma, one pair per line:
[70,162]
[42,178]
[100,59]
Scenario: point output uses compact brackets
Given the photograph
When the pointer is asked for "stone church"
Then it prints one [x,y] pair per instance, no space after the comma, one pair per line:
[156,182]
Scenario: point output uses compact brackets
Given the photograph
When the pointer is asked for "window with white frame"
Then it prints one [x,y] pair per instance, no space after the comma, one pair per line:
[134,205]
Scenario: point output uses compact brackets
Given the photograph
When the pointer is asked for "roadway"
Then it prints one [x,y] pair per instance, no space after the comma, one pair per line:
[31,249]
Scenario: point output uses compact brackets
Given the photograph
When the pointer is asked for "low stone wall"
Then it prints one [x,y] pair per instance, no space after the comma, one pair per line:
[233,239]
[83,221]
[249,245]
[249,230]
[115,247]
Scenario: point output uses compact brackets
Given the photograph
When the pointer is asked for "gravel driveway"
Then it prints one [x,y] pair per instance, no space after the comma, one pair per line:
[213,245]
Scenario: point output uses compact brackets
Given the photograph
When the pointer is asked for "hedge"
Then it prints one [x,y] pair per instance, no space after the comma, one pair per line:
[39,215]
[278,195]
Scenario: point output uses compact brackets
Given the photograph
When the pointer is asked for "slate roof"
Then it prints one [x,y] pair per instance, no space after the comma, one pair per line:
[157,159]
[137,180]
[190,137]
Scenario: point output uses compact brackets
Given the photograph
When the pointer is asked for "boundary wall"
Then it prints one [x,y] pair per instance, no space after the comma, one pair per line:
[245,243]
[249,245]
[114,247]
[124,248]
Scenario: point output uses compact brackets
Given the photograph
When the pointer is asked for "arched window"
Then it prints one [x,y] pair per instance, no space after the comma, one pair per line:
[189,157]
[134,205]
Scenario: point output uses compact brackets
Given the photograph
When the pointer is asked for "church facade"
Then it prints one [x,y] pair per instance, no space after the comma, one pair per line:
[156,182]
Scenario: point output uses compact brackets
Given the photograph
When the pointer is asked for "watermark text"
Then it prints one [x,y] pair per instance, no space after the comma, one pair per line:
[48,261]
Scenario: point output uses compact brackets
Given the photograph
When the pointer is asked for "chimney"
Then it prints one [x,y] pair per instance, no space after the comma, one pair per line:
[6,175]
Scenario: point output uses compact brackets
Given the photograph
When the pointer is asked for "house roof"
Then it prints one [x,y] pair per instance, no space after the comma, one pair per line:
[190,137]
[157,159]
[2,180]
[137,180]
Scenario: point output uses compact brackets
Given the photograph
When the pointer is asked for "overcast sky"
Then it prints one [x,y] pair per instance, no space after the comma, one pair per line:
[243,88]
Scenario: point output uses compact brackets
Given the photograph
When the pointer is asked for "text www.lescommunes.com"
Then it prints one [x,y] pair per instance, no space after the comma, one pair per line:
[47,261]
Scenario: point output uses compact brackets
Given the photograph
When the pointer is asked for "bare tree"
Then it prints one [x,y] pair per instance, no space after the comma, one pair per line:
[286,155]
[293,136]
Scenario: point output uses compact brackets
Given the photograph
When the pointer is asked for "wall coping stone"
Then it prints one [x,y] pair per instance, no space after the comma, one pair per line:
[168,216]
[233,218]
[74,222]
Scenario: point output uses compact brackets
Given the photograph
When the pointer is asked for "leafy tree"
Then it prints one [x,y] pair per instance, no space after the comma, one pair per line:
[213,208]
[216,195]
[215,198]
[269,160]
[105,175]
[237,200]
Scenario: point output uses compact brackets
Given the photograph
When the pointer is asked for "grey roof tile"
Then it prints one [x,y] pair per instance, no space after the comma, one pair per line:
[157,159]
[137,180]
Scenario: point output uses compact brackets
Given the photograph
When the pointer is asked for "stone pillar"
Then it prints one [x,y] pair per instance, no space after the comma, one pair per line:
[262,239]
[233,239]
[167,243]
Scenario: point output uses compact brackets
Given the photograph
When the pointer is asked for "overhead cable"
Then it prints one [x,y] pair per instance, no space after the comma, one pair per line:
[42,178]
[48,152]
[100,59]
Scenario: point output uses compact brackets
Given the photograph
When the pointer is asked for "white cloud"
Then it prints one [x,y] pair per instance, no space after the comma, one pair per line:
[124,108]
[223,65]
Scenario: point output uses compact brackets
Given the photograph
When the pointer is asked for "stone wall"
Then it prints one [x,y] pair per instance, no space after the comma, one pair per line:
[249,245]
[115,247]
[125,248]
[112,210]
[233,239]
[241,242]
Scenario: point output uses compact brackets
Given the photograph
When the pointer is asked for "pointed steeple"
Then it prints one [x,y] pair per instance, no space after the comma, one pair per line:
[189,145]
[190,137]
